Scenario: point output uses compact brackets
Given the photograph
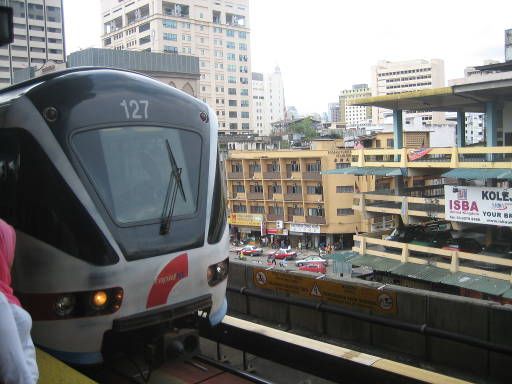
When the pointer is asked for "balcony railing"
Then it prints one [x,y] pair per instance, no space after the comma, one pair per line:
[296,219]
[400,205]
[275,196]
[312,176]
[254,175]
[453,157]
[272,217]
[237,195]
[454,261]
[293,197]
[271,175]
[235,175]
[315,219]
[255,195]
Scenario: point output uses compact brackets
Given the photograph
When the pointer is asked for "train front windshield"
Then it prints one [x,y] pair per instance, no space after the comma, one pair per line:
[131,170]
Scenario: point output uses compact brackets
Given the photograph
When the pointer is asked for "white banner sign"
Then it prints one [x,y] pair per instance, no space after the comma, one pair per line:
[305,228]
[480,205]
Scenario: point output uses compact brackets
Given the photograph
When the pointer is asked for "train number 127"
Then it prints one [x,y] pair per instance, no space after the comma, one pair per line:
[135,109]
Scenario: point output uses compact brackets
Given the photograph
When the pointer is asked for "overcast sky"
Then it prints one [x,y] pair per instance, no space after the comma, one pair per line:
[324,46]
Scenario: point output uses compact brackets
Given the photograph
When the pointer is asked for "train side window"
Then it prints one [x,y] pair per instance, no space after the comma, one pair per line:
[218,214]
[36,200]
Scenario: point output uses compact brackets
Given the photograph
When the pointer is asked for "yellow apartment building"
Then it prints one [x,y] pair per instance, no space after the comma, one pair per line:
[285,195]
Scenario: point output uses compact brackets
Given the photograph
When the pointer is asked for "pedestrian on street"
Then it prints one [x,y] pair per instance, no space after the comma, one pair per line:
[17,353]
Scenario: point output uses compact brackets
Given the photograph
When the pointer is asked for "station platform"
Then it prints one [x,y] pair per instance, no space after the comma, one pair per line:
[53,371]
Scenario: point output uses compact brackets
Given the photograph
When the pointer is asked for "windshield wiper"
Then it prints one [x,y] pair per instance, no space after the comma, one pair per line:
[172,191]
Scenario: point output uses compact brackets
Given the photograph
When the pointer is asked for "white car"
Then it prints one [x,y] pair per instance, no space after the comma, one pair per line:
[311,259]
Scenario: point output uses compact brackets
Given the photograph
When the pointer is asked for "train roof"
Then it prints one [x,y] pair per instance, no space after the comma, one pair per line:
[16,90]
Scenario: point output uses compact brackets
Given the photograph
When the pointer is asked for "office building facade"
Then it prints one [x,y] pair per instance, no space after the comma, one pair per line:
[354,115]
[38,37]
[406,76]
[217,31]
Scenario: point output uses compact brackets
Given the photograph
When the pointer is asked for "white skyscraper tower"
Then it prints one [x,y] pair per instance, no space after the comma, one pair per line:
[274,95]
[217,31]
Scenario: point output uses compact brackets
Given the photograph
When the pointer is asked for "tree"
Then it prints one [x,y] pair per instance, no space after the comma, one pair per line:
[304,127]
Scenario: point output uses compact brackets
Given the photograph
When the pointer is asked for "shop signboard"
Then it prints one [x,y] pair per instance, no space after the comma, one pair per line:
[479,205]
[248,219]
[304,228]
[277,231]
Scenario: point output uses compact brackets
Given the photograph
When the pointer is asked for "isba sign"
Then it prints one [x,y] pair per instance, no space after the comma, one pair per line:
[480,205]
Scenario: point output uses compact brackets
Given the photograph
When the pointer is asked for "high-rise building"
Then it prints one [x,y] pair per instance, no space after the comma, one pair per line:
[268,104]
[405,76]
[354,115]
[38,37]
[508,45]
[259,114]
[334,112]
[216,31]
[274,95]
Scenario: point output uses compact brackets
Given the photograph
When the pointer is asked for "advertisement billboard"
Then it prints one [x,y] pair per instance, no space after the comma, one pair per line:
[479,205]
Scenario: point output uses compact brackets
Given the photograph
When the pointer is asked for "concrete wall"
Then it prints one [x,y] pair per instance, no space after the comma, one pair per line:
[475,318]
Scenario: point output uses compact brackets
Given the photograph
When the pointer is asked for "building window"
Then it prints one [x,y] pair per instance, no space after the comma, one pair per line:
[232,79]
[316,212]
[230,33]
[239,209]
[244,103]
[233,126]
[256,188]
[232,103]
[143,28]
[170,49]
[230,44]
[242,46]
[170,23]
[231,56]
[145,40]
[342,165]
[242,35]
[344,212]
[257,209]
[344,189]
[314,167]
[314,190]
[244,115]
[293,189]
[171,36]
[390,143]
[244,92]
[233,114]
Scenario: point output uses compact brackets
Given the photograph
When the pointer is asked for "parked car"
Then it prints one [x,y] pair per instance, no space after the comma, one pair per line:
[311,260]
[287,254]
[432,234]
[463,244]
[318,267]
[251,250]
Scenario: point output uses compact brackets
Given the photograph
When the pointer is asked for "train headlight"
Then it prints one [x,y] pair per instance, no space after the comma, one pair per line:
[99,299]
[64,305]
[217,272]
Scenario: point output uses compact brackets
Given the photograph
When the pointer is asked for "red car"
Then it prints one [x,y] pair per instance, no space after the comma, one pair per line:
[285,254]
[314,267]
[251,250]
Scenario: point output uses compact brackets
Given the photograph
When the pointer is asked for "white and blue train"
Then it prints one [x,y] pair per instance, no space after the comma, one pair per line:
[112,182]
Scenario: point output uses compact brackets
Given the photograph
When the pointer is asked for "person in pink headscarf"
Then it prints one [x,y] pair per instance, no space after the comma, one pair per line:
[17,353]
